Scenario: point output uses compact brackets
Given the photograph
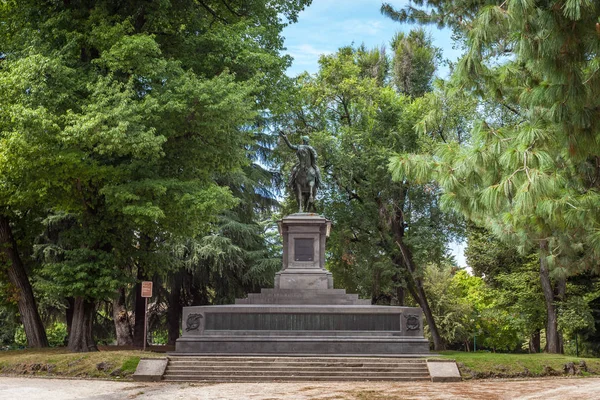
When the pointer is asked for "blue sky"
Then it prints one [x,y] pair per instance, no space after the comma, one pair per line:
[327,25]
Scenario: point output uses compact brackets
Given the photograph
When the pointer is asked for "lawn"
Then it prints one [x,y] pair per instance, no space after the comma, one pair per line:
[61,362]
[111,364]
[500,365]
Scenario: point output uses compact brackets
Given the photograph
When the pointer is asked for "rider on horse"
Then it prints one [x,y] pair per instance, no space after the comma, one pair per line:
[305,177]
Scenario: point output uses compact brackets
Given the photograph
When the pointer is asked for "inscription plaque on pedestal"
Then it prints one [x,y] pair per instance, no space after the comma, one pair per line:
[303,249]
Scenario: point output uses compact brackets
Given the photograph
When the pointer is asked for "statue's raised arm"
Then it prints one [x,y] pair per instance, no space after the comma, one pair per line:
[287,141]
[305,177]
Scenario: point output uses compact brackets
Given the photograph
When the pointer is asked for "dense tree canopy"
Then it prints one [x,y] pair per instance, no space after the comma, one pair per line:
[137,143]
[531,178]
[118,120]
[359,108]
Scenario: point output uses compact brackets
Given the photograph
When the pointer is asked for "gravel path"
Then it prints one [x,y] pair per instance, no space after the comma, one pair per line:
[12,388]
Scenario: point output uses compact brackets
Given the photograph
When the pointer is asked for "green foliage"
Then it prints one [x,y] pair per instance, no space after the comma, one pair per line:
[488,257]
[501,318]
[57,333]
[357,114]
[118,122]
[534,169]
[160,337]
[455,300]
[414,62]
[529,174]
[20,339]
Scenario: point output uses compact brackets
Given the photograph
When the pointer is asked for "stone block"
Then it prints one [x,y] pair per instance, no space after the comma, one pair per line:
[443,371]
[150,369]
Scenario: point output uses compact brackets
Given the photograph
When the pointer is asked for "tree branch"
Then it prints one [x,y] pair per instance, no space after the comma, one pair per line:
[212,12]
[231,10]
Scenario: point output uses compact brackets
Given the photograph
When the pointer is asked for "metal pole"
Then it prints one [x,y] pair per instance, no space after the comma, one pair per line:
[576,346]
[145,322]
[474,343]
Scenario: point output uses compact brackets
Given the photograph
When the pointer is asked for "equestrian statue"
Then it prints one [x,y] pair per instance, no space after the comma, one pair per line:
[305,177]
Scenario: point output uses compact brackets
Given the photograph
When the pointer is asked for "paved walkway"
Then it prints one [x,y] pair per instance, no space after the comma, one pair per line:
[68,389]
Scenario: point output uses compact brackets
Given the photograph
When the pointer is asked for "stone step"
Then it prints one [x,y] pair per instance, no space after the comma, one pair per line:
[293,365]
[294,292]
[345,360]
[296,296]
[224,369]
[297,367]
[252,369]
[293,372]
[307,361]
[254,378]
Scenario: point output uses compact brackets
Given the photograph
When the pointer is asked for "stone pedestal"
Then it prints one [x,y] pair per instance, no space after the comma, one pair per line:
[303,314]
[304,253]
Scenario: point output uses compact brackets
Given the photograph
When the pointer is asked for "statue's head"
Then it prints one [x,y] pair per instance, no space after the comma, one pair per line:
[305,139]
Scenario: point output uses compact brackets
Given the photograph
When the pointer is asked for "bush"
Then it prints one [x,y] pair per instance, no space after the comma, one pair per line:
[20,339]
[57,334]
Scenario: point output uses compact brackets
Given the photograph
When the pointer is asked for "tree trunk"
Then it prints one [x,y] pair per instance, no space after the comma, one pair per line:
[140,312]
[121,320]
[175,308]
[399,281]
[559,296]
[401,296]
[81,338]
[418,293]
[534,341]
[552,336]
[415,284]
[17,275]
[69,313]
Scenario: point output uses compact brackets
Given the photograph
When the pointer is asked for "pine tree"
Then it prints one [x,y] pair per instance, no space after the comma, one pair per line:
[538,174]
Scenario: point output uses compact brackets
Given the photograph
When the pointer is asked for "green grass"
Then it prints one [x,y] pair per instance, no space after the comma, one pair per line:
[61,362]
[121,364]
[490,365]
[130,364]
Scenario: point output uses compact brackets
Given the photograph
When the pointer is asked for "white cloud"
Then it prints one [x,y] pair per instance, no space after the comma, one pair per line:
[306,54]
[361,28]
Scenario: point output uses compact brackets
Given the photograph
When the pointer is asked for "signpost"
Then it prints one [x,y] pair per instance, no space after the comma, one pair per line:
[146,292]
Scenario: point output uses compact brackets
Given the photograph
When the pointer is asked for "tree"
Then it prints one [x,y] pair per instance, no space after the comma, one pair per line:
[538,174]
[414,62]
[381,227]
[487,256]
[17,276]
[127,113]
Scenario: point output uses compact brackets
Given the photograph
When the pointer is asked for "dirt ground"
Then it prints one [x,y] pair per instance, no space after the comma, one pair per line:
[17,388]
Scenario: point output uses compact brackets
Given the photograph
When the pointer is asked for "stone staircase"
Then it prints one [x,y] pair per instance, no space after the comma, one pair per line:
[264,368]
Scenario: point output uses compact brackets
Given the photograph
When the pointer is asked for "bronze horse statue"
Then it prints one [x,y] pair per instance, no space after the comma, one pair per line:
[305,177]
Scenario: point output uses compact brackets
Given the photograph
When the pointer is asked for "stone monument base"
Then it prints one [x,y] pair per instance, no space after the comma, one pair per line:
[303,314]
[306,329]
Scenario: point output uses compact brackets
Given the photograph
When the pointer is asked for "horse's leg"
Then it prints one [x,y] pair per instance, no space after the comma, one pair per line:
[299,189]
[311,190]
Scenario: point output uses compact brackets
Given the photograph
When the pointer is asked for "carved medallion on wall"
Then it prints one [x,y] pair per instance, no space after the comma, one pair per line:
[412,322]
[193,322]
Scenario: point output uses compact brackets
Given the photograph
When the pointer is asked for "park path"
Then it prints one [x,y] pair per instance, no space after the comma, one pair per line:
[19,388]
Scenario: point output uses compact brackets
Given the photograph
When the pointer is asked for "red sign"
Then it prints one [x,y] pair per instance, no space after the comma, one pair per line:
[147,289]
